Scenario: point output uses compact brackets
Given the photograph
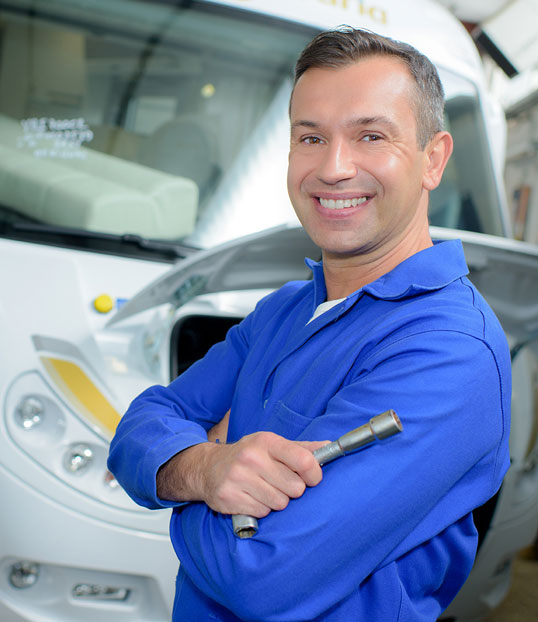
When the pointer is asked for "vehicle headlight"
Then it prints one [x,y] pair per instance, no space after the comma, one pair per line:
[63,442]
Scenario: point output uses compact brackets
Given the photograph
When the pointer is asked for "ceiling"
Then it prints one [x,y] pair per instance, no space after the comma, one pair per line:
[506,30]
[474,10]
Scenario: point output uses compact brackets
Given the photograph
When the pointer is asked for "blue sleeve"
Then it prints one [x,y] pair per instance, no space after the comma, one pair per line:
[374,506]
[163,421]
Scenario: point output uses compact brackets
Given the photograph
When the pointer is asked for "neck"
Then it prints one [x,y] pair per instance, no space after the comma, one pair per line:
[345,274]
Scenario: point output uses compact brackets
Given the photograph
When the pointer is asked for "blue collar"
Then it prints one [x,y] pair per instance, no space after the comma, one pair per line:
[430,269]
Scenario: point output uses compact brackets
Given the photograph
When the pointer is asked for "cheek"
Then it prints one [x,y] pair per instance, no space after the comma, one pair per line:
[394,172]
[294,186]
[291,179]
[298,169]
[383,165]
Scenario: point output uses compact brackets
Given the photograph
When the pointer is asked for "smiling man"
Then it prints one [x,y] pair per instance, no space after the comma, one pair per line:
[388,321]
[359,172]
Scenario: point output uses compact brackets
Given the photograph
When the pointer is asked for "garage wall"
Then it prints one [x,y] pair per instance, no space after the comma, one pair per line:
[521,171]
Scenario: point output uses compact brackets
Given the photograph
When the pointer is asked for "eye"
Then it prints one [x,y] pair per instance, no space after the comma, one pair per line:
[370,138]
[311,140]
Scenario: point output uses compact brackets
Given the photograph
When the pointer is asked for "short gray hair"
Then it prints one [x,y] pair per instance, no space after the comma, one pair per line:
[346,45]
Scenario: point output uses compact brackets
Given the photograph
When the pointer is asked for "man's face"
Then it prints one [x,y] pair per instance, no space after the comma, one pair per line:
[356,173]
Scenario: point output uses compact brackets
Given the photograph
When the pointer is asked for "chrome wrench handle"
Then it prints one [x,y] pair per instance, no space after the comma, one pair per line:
[378,428]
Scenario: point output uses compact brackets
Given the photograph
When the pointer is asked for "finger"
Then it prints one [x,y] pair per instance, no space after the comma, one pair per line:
[263,475]
[264,487]
[284,481]
[229,499]
[250,506]
[273,496]
[298,459]
[273,485]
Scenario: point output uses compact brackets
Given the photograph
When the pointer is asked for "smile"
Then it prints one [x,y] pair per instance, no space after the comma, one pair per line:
[342,203]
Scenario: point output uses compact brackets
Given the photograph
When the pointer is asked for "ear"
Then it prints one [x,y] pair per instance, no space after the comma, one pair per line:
[436,154]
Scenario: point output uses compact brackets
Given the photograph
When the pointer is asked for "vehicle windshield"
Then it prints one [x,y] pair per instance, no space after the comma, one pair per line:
[129,118]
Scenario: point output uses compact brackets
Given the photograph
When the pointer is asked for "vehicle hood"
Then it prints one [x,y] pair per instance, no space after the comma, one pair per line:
[264,260]
[505,271]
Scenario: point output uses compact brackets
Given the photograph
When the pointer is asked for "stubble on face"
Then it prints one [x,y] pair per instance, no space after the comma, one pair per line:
[354,139]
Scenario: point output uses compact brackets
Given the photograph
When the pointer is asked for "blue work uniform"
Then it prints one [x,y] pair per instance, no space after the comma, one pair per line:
[388,534]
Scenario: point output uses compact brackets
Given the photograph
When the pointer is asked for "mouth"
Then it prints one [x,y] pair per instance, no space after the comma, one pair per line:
[336,204]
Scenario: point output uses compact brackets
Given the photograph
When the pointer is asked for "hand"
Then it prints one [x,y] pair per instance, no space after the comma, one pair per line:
[259,473]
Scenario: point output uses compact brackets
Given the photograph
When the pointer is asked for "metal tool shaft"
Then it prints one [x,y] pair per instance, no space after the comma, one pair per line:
[378,428]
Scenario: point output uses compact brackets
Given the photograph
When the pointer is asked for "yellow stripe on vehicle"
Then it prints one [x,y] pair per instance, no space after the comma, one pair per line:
[82,394]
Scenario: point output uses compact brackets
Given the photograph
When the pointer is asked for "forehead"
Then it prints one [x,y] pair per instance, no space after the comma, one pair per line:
[373,87]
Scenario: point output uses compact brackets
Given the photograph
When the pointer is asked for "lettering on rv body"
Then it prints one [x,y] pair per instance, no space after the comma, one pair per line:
[376,13]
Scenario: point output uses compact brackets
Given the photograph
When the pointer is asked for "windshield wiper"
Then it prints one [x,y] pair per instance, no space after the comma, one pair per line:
[124,244]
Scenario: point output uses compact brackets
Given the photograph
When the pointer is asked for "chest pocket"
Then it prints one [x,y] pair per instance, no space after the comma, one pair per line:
[284,421]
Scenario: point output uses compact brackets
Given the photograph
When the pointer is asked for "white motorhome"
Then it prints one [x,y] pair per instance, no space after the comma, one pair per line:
[143,211]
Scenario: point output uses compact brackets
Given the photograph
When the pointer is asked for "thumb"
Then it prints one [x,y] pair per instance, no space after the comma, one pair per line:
[312,445]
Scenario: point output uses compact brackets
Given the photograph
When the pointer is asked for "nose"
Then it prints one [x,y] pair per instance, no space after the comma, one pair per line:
[338,163]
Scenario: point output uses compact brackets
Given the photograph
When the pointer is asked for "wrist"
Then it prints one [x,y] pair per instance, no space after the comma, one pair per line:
[182,478]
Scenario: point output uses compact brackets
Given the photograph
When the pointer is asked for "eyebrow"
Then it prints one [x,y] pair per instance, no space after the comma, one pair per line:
[355,122]
[310,124]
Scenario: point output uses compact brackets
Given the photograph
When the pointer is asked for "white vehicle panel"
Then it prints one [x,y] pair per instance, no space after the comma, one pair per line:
[73,545]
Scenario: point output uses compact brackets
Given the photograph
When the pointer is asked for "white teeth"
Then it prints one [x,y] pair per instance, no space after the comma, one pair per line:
[341,203]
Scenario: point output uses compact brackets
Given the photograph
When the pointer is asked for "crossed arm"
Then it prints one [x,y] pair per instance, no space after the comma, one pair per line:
[398,497]
[259,473]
